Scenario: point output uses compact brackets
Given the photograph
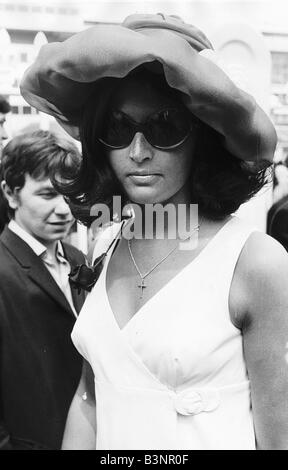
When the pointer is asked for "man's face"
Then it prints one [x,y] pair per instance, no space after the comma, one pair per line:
[3,133]
[41,211]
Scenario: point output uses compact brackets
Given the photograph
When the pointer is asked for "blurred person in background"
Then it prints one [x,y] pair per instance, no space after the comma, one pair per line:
[39,366]
[280,183]
[277,217]
[4,109]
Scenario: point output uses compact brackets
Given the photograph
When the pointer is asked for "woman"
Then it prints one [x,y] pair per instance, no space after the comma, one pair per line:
[187,347]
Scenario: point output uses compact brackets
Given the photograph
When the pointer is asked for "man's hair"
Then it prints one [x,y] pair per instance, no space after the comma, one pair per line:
[39,154]
[4,105]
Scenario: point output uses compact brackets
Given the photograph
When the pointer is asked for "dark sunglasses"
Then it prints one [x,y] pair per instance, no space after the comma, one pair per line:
[166,129]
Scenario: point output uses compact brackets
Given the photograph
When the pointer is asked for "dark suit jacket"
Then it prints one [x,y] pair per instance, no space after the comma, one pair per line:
[277,221]
[39,365]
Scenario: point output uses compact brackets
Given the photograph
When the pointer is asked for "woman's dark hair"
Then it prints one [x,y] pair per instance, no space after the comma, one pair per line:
[220,182]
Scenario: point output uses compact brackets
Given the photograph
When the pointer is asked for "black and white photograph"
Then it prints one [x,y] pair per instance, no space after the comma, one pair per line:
[144,281]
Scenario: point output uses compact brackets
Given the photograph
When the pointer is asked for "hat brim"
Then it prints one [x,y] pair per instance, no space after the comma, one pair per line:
[64,75]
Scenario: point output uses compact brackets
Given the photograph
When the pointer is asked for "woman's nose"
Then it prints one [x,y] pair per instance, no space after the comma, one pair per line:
[140,149]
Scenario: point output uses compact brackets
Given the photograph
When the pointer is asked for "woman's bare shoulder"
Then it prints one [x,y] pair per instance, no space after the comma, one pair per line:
[260,278]
[262,255]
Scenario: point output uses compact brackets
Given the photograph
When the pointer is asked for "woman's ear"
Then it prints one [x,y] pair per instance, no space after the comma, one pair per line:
[12,196]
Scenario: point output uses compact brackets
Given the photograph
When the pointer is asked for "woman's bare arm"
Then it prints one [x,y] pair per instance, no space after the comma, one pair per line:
[263,271]
[80,429]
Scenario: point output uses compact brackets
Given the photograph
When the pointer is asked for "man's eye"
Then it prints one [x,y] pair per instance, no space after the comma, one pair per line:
[47,195]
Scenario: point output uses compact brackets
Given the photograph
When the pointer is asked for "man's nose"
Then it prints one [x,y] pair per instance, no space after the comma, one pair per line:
[61,207]
[140,149]
[3,133]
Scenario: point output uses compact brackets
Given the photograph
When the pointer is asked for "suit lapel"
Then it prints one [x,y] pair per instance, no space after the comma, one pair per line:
[78,299]
[34,267]
[41,276]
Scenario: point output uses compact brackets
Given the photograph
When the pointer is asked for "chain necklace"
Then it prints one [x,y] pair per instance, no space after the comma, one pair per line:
[142,286]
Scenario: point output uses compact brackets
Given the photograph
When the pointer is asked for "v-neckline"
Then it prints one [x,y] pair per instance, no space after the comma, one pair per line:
[163,288]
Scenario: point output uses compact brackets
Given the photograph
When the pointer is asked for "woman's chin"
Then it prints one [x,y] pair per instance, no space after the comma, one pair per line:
[142,199]
[155,197]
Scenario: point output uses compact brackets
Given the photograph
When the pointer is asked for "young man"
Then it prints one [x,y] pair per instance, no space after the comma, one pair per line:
[4,109]
[39,367]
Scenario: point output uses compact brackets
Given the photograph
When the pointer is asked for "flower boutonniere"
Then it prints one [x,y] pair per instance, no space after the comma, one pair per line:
[84,276]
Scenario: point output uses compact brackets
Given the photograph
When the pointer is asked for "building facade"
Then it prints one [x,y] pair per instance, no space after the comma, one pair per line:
[26,25]
[24,28]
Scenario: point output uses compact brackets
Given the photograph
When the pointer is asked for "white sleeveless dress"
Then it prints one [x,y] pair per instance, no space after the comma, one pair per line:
[174,377]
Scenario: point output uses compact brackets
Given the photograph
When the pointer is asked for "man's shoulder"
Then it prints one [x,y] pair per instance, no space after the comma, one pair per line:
[9,264]
[14,247]
[5,252]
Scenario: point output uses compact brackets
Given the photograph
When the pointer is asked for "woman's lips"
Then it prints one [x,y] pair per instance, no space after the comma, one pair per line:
[144,179]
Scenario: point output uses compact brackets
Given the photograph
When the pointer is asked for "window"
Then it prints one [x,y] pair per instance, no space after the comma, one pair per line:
[14,110]
[23,57]
[280,119]
[280,67]
[21,110]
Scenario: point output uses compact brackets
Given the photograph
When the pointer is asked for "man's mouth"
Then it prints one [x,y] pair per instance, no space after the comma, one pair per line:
[61,222]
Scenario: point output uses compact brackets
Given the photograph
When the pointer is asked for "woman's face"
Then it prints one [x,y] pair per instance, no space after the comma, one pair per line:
[147,174]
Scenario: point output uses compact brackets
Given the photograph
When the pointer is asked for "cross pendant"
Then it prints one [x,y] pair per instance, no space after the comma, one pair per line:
[142,286]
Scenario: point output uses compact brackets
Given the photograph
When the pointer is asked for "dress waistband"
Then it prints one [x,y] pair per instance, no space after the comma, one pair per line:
[190,401]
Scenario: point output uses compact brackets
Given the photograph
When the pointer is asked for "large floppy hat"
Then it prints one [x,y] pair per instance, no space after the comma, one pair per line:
[64,75]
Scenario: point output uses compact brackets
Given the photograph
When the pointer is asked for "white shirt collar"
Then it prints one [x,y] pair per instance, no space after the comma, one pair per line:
[38,248]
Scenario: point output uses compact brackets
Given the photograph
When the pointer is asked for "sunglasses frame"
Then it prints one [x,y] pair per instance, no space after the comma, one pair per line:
[140,127]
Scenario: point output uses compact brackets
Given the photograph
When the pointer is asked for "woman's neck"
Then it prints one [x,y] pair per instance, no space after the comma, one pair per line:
[173,219]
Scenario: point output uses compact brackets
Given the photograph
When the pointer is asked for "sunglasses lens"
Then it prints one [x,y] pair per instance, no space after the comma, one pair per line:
[117,130]
[164,129]
[168,128]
